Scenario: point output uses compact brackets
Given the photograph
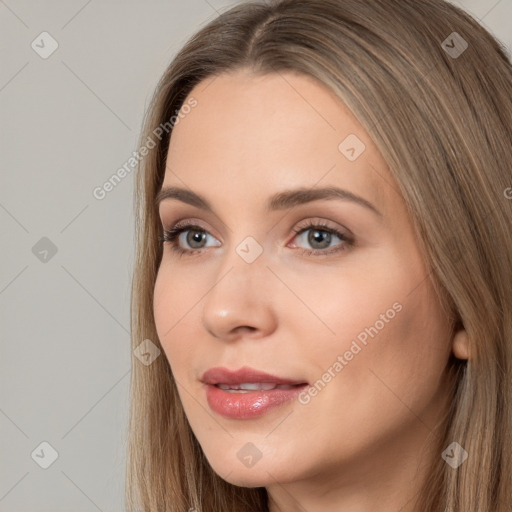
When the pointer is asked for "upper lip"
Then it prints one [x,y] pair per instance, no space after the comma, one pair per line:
[219,375]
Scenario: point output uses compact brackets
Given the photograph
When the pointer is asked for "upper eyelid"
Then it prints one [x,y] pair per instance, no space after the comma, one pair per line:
[308,224]
[186,221]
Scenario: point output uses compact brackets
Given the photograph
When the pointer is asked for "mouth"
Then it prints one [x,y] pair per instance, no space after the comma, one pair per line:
[248,393]
[246,378]
[255,386]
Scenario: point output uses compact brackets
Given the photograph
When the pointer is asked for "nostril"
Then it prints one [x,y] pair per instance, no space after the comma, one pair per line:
[246,327]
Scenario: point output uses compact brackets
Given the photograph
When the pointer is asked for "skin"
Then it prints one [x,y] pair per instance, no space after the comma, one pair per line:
[362,443]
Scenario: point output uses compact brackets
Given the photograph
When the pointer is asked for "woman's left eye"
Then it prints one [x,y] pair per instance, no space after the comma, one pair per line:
[320,238]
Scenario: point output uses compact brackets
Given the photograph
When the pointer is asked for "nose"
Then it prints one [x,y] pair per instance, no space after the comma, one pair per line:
[239,303]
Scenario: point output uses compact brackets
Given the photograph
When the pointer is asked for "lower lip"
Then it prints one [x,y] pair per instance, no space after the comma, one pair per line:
[248,405]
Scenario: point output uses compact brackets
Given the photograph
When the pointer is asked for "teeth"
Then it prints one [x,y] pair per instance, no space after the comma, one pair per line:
[253,386]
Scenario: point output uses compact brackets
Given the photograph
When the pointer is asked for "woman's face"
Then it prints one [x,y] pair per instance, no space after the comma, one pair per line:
[267,284]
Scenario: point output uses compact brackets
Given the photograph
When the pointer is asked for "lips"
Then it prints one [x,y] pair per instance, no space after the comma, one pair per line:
[245,375]
[247,393]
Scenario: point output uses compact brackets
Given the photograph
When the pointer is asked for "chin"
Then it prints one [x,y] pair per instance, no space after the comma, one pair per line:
[248,480]
[261,474]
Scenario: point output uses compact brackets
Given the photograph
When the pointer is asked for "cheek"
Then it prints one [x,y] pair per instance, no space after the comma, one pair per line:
[385,338]
[173,304]
[395,374]
[164,305]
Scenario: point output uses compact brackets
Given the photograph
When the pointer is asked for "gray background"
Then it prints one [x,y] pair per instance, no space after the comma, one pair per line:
[68,123]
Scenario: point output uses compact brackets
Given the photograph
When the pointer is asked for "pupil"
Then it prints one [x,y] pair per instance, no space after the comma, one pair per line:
[317,235]
[194,237]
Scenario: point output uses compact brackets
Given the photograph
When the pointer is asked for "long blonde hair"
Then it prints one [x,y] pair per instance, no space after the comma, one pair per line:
[441,115]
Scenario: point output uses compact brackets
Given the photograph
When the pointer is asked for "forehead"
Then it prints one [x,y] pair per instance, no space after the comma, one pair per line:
[255,135]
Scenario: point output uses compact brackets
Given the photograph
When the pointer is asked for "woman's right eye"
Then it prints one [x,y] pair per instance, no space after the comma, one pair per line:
[189,234]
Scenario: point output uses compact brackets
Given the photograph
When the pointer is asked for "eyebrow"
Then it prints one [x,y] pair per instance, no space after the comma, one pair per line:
[280,201]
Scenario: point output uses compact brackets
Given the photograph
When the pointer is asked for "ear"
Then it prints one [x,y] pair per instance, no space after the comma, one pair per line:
[460,344]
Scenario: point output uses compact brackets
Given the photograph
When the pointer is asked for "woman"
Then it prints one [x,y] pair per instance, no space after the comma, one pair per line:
[324,260]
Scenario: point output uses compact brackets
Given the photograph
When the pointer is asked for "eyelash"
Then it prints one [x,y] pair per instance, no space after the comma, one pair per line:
[171,236]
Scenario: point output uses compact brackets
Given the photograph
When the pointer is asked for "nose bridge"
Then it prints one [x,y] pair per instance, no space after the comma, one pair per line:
[240,295]
[243,273]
